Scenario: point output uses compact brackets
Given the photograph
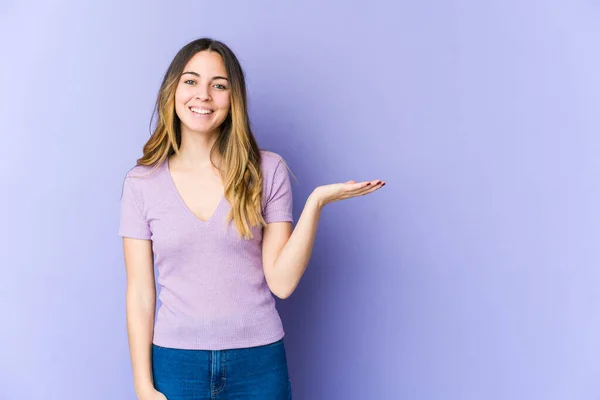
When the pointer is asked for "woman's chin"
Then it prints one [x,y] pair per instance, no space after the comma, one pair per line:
[202,129]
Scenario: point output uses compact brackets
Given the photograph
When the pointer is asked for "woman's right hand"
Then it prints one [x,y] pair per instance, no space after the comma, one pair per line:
[152,394]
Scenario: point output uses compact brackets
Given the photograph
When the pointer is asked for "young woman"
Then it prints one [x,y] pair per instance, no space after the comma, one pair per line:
[213,213]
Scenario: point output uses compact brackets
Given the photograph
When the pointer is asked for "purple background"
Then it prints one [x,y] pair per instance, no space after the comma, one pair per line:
[473,274]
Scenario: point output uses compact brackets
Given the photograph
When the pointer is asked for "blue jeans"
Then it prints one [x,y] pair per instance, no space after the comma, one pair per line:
[252,373]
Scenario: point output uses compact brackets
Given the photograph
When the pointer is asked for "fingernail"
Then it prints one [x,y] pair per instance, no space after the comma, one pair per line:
[383,184]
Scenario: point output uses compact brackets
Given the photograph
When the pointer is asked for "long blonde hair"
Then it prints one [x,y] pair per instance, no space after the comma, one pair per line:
[240,154]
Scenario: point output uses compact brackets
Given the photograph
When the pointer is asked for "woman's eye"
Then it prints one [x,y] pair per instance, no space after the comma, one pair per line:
[219,86]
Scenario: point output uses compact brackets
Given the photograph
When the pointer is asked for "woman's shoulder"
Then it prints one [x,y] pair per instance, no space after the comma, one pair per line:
[274,167]
[142,171]
[145,178]
[270,159]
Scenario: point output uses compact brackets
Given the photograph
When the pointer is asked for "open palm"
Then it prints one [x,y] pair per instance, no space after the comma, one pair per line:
[339,191]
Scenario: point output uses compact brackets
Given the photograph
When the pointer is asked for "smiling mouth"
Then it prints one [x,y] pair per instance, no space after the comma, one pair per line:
[201,111]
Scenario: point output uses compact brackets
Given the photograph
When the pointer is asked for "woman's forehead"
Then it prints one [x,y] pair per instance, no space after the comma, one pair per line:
[206,62]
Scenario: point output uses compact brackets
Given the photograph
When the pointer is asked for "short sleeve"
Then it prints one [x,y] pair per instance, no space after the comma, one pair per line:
[278,205]
[132,223]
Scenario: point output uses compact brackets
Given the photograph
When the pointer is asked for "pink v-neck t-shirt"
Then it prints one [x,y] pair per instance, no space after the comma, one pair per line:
[212,287]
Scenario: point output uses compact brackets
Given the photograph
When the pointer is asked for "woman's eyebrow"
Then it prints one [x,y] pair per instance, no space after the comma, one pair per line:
[198,75]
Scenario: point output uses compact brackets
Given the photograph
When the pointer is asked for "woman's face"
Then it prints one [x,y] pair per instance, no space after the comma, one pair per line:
[202,97]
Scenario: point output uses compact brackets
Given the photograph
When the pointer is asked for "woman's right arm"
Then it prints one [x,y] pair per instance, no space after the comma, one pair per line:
[140,305]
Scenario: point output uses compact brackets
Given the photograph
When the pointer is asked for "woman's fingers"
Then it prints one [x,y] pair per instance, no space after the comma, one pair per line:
[365,187]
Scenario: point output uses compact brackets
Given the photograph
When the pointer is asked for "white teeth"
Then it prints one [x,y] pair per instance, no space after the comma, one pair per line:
[201,110]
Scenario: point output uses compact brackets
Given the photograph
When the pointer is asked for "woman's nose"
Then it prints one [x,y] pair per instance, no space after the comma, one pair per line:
[202,92]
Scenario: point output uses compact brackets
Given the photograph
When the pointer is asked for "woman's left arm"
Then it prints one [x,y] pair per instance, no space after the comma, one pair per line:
[285,253]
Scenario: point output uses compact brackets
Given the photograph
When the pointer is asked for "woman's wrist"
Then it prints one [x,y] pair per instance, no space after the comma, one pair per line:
[315,201]
[142,390]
